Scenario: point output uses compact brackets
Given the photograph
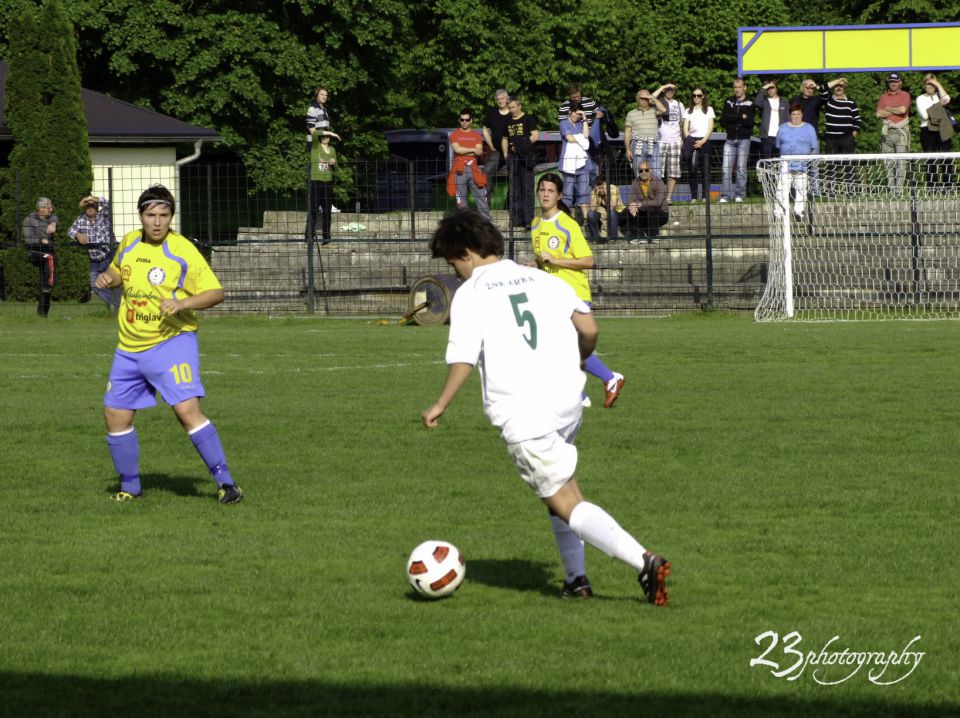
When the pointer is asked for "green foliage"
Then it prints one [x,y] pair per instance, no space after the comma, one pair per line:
[248,70]
[44,110]
[51,155]
[21,279]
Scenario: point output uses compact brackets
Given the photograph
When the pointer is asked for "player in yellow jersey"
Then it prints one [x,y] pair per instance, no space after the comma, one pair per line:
[560,249]
[164,279]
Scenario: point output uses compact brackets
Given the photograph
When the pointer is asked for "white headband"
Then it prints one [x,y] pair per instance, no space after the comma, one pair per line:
[148,203]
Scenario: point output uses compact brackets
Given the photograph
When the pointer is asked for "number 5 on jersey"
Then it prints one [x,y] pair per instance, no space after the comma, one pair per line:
[524,317]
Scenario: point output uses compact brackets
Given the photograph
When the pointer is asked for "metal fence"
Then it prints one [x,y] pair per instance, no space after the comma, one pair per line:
[708,255]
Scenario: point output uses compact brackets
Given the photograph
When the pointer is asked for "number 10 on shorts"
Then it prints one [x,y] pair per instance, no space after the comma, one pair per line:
[182,373]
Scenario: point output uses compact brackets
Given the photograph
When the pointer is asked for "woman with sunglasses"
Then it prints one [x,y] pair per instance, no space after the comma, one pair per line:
[698,123]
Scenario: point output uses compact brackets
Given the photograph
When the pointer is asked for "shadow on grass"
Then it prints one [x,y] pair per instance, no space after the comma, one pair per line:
[177,485]
[513,573]
[30,694]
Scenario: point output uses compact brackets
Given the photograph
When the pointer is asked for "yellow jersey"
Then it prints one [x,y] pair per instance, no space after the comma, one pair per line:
[562,237]
[154,272]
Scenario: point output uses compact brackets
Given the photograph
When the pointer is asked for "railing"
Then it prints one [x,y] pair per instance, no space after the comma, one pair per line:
[707,255]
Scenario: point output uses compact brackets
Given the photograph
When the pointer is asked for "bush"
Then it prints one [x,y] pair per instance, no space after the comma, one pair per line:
[21,279]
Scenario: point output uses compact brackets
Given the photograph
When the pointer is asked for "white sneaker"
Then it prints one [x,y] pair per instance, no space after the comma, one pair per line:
[723,200]
[333,210]
[586,403]
[738,199]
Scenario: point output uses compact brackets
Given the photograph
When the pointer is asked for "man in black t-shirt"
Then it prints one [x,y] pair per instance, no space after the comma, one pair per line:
[517,147]
[494,128]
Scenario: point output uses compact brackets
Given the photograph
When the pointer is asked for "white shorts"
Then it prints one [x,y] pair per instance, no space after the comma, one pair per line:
[546,463]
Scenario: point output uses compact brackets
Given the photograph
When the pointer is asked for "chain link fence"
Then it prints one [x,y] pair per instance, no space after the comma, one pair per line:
[707,255]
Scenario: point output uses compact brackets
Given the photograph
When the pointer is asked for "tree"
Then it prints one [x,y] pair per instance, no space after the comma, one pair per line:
[44,110]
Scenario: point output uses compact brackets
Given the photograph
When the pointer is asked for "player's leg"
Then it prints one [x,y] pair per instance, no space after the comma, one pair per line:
[127,392]
[599,529]
[612,381]
[124,446]
[174,369]
[545,464]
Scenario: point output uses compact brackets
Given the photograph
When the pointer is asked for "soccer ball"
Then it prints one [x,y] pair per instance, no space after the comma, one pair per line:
[436,569]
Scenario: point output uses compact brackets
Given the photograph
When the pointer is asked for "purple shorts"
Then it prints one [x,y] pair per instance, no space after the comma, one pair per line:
[172,368]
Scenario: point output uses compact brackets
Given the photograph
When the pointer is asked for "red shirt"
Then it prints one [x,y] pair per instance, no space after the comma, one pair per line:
[895,99]
[472,139]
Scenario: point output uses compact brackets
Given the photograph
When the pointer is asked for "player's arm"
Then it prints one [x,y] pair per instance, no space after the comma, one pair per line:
[587,333]
[575,263]
[457,375]
[107,279]
[203,300]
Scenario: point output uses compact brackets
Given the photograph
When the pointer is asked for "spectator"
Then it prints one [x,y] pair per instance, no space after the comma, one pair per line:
[605,203]
[560,249]
[795,138]
[774,111]
[494,130]
[647,211]
[323,162]
[840,129]
[318,116]
[38,231]
[318,121]
[697,127]
[165,280]
[641,128]
[936,127]
[601,152]
[93,230]
[465,171]
[842,120]
[737,118]
[670,138]
[575,164]
[575,95]
[517,147]
[812,101]
[893,109]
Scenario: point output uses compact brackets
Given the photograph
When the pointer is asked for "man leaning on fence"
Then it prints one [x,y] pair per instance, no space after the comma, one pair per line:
[93,230]
[38,230]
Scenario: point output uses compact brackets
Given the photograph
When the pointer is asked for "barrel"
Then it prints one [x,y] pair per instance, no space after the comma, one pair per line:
[437,291]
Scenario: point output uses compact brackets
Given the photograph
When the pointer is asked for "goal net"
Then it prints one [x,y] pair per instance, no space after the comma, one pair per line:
[862,237]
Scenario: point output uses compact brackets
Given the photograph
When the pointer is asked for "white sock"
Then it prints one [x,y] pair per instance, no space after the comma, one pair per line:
[600,529]
[571,548]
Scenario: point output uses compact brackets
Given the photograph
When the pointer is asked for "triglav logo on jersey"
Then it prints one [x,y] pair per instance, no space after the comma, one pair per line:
[554,242]
[156,276]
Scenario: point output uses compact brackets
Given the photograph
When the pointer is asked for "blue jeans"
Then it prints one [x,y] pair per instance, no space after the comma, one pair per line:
[110,296]
[646,151]
[593,226]
[739,151]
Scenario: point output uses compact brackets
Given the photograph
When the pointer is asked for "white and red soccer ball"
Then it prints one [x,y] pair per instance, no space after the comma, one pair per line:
[436,569]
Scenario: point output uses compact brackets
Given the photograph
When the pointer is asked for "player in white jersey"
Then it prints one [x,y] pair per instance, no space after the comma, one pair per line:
[528,333]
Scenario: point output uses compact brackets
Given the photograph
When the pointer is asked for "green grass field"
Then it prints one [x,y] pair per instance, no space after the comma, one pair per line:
[799,478]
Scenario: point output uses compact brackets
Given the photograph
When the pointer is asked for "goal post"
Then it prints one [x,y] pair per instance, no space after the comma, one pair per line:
[853,237]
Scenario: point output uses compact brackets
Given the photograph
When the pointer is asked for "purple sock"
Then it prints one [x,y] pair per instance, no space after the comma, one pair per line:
[207,441]
[594,366]
[125,452]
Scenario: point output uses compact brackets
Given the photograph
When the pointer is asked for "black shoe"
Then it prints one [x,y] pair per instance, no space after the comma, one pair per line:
[577,588]
[230,494]
[653,578]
